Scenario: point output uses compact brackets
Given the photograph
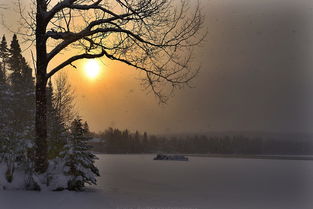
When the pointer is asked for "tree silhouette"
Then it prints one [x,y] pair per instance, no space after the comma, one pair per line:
[153,36]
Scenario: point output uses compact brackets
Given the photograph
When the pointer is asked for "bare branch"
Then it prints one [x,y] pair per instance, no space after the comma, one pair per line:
[154,36]
[73,59]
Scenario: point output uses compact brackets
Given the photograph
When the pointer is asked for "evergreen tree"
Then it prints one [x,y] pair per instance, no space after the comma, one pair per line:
[15,64]
[3,90]
[4,55]
[4,112]
[28,99]
[15,79]
[67,142]
[136,145]
[145,144]
[79,161]
[22,91]
[19,108]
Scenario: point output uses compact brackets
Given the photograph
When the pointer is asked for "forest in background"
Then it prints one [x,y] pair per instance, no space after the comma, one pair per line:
[115,141]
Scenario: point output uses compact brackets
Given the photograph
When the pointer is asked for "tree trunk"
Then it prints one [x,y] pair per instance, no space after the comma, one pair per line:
[41,158]
[41,152]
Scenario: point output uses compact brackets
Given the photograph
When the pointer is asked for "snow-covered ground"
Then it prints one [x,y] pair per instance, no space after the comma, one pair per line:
[138,182]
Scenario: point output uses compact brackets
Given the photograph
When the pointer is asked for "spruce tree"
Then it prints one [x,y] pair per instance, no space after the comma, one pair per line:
[4,55]
[9,136]
[15,79]
[22,91]
[4,88]
[3,109]
[79,161]
[15,63]
[67,141]
[19,106]
[28,99]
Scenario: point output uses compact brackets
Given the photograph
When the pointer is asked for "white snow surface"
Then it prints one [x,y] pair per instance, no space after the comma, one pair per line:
[139,182]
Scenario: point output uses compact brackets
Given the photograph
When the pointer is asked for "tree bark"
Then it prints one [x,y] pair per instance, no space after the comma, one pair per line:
[41,158]
[41,149]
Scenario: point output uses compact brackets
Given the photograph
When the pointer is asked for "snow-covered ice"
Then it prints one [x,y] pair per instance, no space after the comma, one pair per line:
[139,182]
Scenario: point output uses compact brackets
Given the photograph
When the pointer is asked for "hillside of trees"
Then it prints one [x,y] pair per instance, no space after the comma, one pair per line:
[115,141]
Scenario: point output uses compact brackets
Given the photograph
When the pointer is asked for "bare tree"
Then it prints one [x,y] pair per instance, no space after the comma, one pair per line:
[64,100]
[153,36]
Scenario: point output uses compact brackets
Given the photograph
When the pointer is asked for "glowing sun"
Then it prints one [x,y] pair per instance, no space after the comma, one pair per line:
[92,68]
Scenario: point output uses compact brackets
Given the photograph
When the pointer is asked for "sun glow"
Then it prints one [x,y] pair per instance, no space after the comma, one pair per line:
[92,68]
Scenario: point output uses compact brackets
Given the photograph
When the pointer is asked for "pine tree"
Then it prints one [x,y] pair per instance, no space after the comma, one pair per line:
[4,55]
[15,79]
[19,108]
[3,112]
[4,89]
[8,142]
[79,161]
[15,62]
[22,91]
[67,141]
[28,99]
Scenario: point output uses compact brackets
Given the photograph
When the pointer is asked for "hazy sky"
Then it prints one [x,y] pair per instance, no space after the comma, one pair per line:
[256,75]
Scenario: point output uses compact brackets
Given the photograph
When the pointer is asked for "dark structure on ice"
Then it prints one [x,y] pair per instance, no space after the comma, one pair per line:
[171,157]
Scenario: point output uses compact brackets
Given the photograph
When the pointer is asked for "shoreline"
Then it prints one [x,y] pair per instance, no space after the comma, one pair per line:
[269,157]
[239,156]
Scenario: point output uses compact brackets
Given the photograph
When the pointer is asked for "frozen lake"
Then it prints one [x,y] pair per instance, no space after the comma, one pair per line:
[138,182]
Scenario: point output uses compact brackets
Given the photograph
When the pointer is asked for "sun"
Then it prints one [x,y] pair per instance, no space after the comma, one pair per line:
[92,68]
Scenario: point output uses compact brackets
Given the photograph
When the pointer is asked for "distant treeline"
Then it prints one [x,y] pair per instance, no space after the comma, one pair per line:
[115,141]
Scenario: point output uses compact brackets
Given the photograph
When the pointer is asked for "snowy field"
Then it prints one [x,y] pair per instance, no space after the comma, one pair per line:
[138,182]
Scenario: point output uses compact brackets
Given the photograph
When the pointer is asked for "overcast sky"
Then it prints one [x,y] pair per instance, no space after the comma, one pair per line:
[256,76]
